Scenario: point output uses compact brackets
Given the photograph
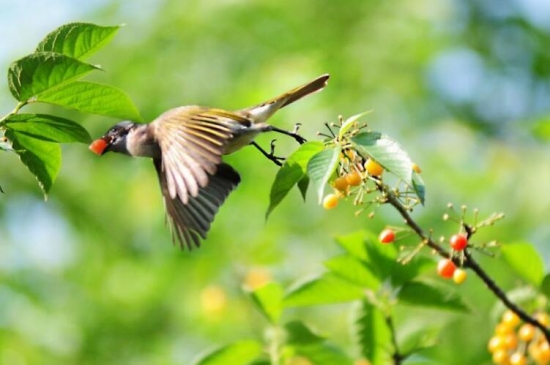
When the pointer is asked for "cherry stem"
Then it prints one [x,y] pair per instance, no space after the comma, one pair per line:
[469,261]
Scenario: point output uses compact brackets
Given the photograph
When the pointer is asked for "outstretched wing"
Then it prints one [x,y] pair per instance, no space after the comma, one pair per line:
[190,221]
[192,140]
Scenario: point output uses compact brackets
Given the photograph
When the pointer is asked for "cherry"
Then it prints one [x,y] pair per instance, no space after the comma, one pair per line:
[386,236]
[459,242]
[446,268]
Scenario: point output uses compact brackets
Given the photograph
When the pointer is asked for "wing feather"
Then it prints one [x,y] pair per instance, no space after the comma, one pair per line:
[192,140]
[190,221]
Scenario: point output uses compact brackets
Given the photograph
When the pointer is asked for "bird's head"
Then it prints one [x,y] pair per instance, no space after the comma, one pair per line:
[114,140]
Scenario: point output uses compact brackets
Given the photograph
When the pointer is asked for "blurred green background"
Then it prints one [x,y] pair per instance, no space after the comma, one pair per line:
[91,277]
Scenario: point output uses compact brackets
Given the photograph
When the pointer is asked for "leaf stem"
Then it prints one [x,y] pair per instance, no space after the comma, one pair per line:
[396,356]
[13,112]
[469,262]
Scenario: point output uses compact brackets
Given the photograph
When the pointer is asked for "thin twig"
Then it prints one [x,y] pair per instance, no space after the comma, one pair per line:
[396,356]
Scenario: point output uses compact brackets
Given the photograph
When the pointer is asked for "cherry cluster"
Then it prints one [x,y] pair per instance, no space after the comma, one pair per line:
[517,343]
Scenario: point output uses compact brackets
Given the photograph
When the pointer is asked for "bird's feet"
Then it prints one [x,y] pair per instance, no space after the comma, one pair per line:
[294,133]
[271,154]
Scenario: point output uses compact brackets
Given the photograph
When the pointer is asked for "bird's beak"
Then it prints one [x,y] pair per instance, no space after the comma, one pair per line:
[99,146]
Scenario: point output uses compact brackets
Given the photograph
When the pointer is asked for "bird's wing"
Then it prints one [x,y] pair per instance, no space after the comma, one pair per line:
[189,222]
[192,140]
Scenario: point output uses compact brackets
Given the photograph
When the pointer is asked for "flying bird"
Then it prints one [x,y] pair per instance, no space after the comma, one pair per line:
[187,143]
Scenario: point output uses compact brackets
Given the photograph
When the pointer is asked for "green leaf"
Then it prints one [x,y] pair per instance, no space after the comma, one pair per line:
[269,300]
[545,286]
[48,128]
[321,166]
[43,159]
[323,354]
[90,97]
[381,260]
[525,260]
[419,187]
[355,244]
[387,152]
[300,334]
[238,353]
[350,122]
[303,185]
[78,40]
[419,338]
[374,335]
[353,270]
[293,171]
[39,72]
[325,289]
[430,294]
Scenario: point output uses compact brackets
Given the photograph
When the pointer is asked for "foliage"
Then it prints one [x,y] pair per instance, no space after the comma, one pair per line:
[51,75]
[90,277]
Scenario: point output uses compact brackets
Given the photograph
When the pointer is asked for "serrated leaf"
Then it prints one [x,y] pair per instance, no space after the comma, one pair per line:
[321,166]
[323,354]
[325,289]
[78,40]
[48,128]
[432,295]
[349,123]
[387,152]
[381,260]
[419,338]
[292,172]
[238,353]
[94,98]
[525,260]
[39,72]
[419,187]
[353,270]
[269,300]
[373,334]
[300,334]
[43,159]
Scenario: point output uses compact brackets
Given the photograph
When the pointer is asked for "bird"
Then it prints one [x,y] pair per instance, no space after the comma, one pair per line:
[186,145]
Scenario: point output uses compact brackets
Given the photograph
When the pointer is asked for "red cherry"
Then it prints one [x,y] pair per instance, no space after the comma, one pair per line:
[387,236]
[459,242]
[446,268]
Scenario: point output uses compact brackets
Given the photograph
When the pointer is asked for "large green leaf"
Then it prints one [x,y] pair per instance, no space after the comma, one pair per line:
[78,40]
[381,260]
[325,289]
[269,300]
[48,127]
[387,152]
[42,158]
[323,354]
[238,353]
[292,172]
[39,72]
[297,333]
[525,260]
[321,166]
[373,334]
[432,295]
[94,98]
[353,270]
[354,243]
